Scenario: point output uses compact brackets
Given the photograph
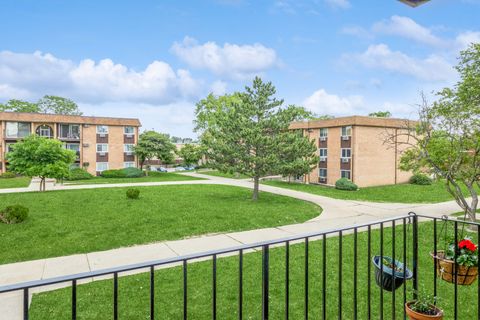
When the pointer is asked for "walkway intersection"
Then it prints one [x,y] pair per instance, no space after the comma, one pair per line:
[336,213]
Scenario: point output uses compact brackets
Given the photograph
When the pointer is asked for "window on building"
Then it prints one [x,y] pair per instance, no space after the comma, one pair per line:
[102,166]
[128,148]
[69,131]
[72,146]
[323,152]
[17,129]
[322,173]
[345,174]
[129,130]
[102,147]
[129,164]
[346,153]
[102,129]
[323,132]
[347,131]
[44,131]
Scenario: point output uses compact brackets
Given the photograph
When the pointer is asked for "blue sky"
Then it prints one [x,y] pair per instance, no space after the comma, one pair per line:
[154,59]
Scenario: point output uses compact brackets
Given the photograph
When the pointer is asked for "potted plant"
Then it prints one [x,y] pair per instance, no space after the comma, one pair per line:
[423,308]
[394,273]
[465,265]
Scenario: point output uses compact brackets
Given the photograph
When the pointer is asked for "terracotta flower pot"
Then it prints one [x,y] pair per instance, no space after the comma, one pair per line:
[413,315]
[446,270]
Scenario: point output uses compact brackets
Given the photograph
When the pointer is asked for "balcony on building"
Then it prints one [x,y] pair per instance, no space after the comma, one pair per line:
[69,132]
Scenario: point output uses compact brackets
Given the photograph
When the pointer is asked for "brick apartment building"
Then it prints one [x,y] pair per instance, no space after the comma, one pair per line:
[353,147]
[101,143]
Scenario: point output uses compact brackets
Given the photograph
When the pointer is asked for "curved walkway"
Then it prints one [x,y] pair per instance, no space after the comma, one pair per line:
[336,213]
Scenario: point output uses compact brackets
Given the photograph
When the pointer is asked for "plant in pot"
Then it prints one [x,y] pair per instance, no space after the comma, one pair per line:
[390,274]
[460,258]
[423,308]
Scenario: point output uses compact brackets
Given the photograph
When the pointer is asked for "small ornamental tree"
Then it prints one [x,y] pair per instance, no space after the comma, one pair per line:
[154,145]
[446,140]
[41,157]
[190,154]
[247,133]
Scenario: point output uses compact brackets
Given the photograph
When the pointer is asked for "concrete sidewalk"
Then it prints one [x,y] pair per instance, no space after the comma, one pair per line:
[336,213]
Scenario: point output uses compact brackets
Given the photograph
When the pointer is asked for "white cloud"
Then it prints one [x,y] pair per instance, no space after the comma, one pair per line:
[173,118]
[231,60]
[407,28]
[219,88]
[341,4]
[33,75]
[432,68]
[464,39]
[321,102]
[357,32]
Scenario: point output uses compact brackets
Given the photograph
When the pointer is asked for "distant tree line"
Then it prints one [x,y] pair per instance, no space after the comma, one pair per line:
[47,104]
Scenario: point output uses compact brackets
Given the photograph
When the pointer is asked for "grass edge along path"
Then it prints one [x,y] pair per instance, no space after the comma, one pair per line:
[157,177]
[81,221]
[216,173]
[95,300]
[398,193]
[18,182]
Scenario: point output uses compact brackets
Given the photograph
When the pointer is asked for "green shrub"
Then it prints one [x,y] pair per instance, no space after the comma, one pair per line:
[113,174]
[78,174]
[8,175]
[420,179]
[133,193]
[123,173]
[133,172]
[156,174]
[345,184]
[14,214]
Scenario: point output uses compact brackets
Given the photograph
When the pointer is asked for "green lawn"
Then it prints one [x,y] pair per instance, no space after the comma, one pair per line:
[20,182]
[78,221]
[402,193]
[223,175]
[158,177]
[95,299]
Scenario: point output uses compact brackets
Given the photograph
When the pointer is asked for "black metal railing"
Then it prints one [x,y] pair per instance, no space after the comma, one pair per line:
[404,230]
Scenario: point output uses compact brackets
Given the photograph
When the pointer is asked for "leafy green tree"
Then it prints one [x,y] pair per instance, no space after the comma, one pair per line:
[58,105]
[381,114]
[154,145]
[446,140]
[247,132]
[190,154]
[15,105]
[41,157]
[290,146]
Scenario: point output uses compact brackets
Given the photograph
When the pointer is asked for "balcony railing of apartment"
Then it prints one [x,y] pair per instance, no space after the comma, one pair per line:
[351,287]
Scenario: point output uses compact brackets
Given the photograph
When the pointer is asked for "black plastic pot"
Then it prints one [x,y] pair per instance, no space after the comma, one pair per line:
[391,279]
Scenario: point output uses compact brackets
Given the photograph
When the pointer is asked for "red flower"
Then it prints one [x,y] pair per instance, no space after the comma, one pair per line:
[467,244]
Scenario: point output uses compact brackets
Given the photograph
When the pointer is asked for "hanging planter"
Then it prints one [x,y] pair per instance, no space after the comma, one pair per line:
[394,273]
[466,275]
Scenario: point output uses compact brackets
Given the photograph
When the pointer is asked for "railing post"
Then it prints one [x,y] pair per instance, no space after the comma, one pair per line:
[415,255]
[265,284]
[74,300]
[25,304]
